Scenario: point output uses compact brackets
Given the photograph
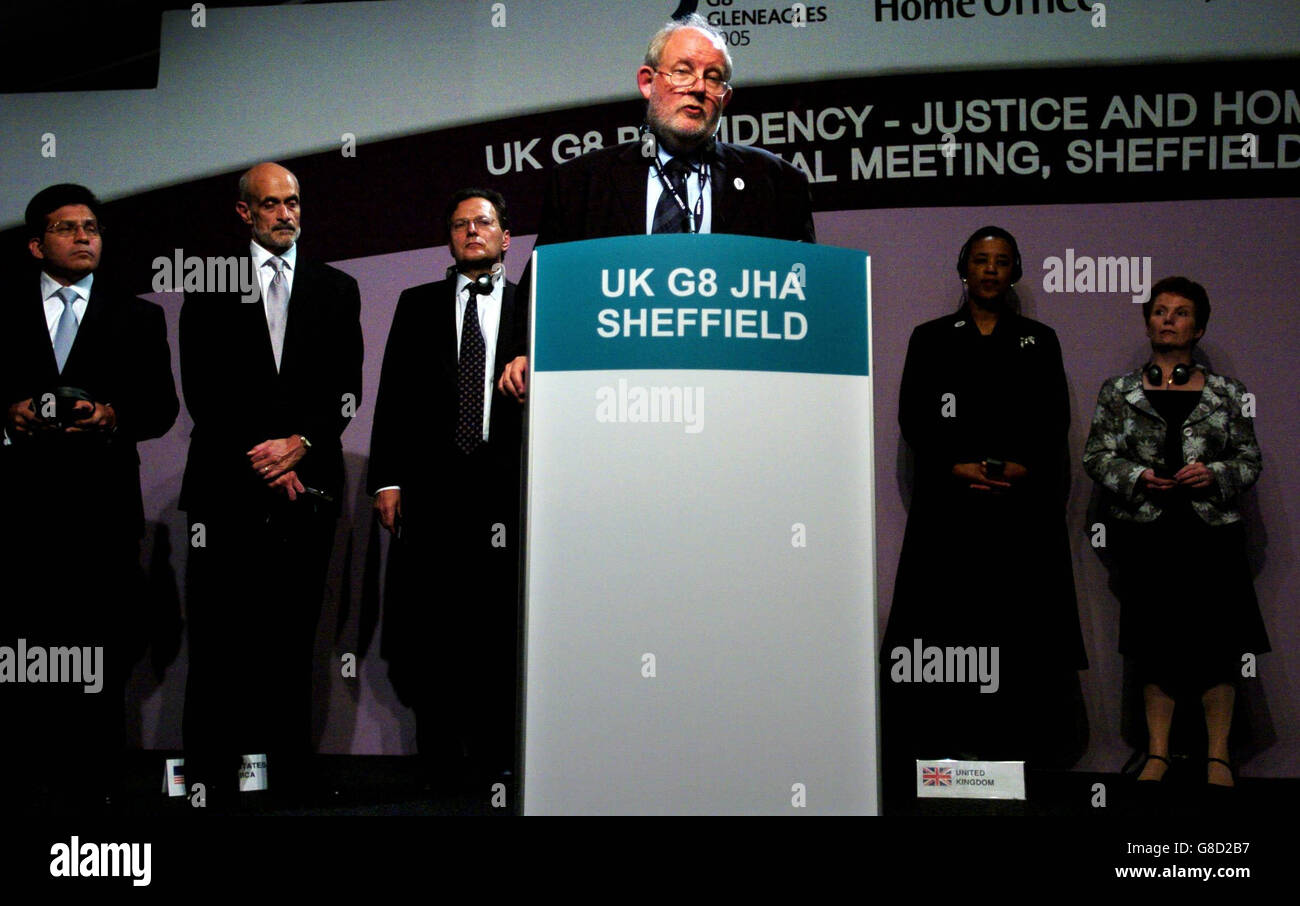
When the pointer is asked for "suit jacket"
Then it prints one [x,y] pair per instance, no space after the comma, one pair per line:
[1006,576]
[603,193]
[237,399]
[965,397]
[1128,437]
[411,442]
[120,356]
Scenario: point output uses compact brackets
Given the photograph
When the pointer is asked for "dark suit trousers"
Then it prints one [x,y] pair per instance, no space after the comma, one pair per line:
[453,593]
[253,603]
[72,580]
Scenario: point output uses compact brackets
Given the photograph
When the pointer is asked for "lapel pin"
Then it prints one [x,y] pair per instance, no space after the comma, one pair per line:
[739,184]
[1027,341]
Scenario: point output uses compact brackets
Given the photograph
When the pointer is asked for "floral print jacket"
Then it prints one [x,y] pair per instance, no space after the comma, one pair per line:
[1128,437]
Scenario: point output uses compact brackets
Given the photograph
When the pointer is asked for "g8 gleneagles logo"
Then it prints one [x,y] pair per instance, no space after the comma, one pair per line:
[685,8]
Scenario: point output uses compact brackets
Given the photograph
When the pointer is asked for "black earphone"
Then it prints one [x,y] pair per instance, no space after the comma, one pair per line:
[1180,375]
[482,284]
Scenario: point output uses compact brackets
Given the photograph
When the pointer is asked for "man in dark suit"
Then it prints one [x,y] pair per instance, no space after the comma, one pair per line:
[271,382]
[86,375]
[444,469]
[678,179]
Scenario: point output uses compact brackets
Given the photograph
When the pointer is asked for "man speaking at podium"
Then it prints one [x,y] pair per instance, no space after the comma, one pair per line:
[678,178]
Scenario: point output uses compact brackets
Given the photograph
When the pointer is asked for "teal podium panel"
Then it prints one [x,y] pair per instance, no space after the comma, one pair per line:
[700,569]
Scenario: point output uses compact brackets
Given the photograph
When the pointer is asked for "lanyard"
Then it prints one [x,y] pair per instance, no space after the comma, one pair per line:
[703,175]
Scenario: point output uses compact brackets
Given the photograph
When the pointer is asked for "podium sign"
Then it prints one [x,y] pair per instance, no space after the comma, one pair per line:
[700,584]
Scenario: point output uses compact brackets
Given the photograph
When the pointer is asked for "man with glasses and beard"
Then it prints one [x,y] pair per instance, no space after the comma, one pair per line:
[271,383]
[678,178]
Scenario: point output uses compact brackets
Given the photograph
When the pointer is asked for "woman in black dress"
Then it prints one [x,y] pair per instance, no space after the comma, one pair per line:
[984,408]
[1173,446]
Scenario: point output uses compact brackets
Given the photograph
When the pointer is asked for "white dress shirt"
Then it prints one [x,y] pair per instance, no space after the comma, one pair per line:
[266,273]
[489,322]
[54,304]
[654,189]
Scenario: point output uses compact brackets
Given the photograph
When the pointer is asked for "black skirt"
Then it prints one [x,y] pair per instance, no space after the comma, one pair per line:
[1188,611]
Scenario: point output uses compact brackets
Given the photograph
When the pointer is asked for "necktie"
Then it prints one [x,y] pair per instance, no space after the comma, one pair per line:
[669,216]
[65,332]
[469,377]
[277,308]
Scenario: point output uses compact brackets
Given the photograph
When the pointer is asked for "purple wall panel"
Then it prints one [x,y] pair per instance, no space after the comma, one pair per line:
[1245,252]
[1247,255]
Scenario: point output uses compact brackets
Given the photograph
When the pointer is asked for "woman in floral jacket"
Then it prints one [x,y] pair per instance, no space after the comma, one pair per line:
[1173,446]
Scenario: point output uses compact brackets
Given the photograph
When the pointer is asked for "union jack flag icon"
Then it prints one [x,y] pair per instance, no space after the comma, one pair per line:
[936,776]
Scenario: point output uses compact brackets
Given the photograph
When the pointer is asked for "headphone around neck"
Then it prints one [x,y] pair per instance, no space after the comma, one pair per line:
[1179,375]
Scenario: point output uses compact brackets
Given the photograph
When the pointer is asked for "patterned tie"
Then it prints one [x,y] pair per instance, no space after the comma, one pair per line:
[65,333]
[277,308]
[469,377]
[669,216]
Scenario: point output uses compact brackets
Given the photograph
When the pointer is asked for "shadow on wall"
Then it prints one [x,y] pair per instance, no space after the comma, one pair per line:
[1253,727]
[352,698]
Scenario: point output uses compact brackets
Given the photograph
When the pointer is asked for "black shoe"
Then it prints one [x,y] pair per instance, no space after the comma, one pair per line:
[1151,797]
[1149,757]
[1217,795]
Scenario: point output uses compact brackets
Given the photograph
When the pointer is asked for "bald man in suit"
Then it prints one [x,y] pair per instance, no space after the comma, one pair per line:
[271,383]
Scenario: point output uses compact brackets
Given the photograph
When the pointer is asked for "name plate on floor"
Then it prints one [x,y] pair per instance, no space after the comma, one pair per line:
[252,774]
[174,778]
[950,779]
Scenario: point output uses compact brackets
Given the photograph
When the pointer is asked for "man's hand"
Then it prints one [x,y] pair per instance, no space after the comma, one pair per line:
[289,485]
[388,504]
[22,418]
[272,459]
[94,417]
[514,378]
[1151,482]
[1194,475]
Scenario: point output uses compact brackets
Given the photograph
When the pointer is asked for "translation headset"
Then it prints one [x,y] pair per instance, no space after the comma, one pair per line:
[482,284]
[1179,375]
[990,232]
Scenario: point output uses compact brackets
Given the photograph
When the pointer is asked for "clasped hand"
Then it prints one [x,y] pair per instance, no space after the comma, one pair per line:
[1192,475]
[977,474]
[274,460]
[22,418]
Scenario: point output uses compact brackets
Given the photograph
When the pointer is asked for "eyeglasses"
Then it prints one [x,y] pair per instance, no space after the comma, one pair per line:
[683,79]
[480,223]
[70,227]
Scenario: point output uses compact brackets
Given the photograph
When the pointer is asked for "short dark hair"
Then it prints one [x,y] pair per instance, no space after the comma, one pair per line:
[492,196]
[990,232]
[654,53]
[50,199]
[1188,289]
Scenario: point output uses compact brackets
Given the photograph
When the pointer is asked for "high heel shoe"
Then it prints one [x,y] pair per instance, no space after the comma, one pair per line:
[1219,797]
[1231,772]
[1150,757]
